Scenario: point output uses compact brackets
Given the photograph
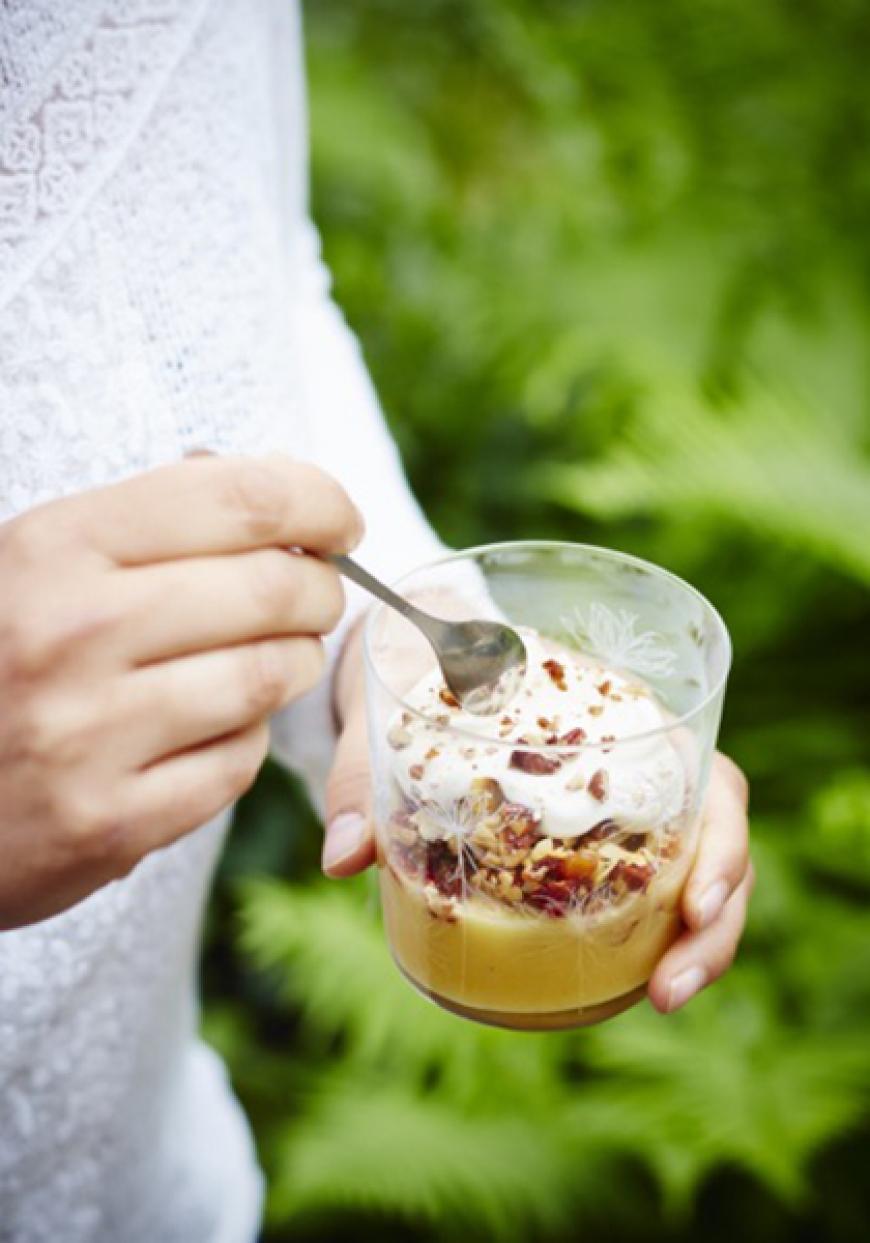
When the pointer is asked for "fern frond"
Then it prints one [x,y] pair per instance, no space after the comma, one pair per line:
[373,1145]
[335,966]
[723,1082]
[767,466]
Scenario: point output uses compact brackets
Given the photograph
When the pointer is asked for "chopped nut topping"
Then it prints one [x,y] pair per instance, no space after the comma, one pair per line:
[533,762]
[577,782]
[604,687]
[557,673]
[416,771]
[447,697]
[599,784]
[483,836]
[440,905]
[573,737]
[542,848]
[399,736]
[595,709]
[432,754]
[486,794]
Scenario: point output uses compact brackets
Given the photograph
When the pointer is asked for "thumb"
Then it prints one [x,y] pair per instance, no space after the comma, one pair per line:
[349,843]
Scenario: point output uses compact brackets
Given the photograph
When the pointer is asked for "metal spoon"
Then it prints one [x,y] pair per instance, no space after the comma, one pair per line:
[483,662]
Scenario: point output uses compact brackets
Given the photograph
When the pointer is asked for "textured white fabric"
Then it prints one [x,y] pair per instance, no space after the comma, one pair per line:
[160,290]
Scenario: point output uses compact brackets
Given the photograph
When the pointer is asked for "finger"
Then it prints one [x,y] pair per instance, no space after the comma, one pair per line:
[207,505]
[699,958]
[177,795]
[349,843]
[723,849]
[218,601]
[178,704]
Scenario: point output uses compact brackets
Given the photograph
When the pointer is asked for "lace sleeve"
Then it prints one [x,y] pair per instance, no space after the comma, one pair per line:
[350,439]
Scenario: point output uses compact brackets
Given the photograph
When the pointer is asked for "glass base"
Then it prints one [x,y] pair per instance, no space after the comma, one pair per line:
[531,1021]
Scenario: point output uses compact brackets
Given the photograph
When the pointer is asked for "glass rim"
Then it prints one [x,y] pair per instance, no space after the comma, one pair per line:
[512,744]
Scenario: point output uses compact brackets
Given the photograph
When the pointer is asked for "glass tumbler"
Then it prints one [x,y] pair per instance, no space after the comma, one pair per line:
[531,862]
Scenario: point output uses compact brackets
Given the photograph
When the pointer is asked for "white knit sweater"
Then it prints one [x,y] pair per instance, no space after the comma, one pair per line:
[160,290]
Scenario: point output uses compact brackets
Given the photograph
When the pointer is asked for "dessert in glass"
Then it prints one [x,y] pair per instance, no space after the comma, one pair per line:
[532,861]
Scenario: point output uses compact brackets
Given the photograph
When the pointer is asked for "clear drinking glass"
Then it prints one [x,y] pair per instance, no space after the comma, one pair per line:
[533,880]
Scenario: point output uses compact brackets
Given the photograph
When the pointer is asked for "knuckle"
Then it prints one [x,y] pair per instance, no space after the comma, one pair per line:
[333,601]
[24,655]
[342,521]
[42,734]
[243,766]
[34,642]
[27,539]
[92,825]
[267,678]
[349,787]
[270,583]
[257,495]
[736,779]
[310,659]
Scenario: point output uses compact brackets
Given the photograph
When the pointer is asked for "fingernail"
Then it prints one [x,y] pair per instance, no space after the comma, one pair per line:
[344,837]
[711,902]
[684,986]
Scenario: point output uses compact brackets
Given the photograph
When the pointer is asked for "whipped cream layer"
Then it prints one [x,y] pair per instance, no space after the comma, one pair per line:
[639,783]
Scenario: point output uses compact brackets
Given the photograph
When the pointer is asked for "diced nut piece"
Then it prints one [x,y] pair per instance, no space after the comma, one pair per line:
[604,687]
[534,762]
[556,672]
[483,836]
[573,737]
[599,784]
[487,795]
[439,905]
[577,782]
[399,736]
[415,772]
[447,697]
[595,709]
[582,865]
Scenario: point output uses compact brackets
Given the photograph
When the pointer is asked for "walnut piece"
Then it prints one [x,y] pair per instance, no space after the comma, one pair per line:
[599,784]
[534,762]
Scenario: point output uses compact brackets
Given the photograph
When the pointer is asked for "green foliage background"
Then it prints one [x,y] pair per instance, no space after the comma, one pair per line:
[610,264]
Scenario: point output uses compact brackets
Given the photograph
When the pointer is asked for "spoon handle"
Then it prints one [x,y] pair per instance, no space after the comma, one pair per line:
[350,568]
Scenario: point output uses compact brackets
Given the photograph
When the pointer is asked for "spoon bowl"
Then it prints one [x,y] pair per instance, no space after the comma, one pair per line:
[483,662]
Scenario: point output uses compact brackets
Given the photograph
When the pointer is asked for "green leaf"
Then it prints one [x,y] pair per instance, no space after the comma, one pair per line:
[756,466]
[372,1145]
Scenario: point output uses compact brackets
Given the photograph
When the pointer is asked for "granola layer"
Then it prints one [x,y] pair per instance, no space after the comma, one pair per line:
[506,859]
